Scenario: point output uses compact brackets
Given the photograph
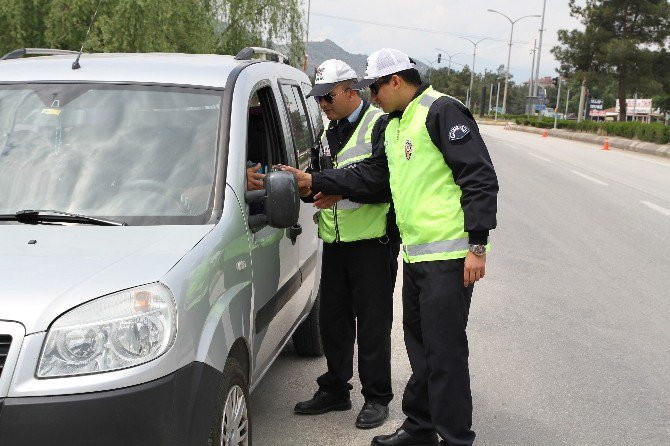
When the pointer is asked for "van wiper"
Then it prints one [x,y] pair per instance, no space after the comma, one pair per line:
[30,216]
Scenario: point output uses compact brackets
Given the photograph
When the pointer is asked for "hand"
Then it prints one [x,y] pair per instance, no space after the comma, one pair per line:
[304,178]
[475,268]
[254,179]
[322,201]
[305,191]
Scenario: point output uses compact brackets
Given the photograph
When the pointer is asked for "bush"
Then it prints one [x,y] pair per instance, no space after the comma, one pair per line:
[654,132]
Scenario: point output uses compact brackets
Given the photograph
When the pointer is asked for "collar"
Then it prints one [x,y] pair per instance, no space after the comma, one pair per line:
[354,116]
[423,87]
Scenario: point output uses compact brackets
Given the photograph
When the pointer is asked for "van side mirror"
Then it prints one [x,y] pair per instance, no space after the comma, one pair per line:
[280,199]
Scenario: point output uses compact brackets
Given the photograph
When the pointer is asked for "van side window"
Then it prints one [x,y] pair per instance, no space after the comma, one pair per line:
[314,112]
[265,142]
[303,139]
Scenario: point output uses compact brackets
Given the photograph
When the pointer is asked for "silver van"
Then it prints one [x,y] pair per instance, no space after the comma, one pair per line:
[144,292]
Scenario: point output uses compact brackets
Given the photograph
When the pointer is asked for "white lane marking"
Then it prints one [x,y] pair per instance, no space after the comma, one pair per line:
[658,163]
[658,208]
[540,157]
[583,175]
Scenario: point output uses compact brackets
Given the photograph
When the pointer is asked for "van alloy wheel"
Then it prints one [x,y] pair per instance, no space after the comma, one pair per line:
[234,425]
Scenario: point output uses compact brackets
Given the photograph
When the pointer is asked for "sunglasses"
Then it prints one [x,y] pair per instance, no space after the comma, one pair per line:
[376,85]
[329,97]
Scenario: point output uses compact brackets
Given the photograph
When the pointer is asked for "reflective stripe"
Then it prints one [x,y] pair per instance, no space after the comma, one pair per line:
[461,244]
[427,100]
[361,147]
[345,205]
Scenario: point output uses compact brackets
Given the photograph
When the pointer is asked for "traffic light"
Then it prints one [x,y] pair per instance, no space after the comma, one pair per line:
[439,57]
[555,81]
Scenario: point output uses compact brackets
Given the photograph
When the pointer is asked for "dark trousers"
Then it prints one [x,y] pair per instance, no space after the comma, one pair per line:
[435,315]
[357,299]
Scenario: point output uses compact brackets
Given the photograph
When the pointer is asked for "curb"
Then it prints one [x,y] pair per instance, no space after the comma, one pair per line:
[615,142]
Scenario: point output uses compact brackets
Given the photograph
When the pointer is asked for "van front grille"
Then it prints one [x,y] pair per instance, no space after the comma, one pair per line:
[5,342]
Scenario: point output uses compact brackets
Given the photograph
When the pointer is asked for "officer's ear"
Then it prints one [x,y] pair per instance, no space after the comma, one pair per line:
[396,81]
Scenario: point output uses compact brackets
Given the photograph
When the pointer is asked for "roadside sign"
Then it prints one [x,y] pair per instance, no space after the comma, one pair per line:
[596,104]
[540,107]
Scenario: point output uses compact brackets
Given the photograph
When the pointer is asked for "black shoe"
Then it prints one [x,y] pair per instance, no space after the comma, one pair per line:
[323,402]
[402,438]
[372,415]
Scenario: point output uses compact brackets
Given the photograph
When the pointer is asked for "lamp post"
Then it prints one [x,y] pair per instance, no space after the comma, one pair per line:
[509,52]
[450,56]
[472,74]
[430,65]
[309,7]
[539,51]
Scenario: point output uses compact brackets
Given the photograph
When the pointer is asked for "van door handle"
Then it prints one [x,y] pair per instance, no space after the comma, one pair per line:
[293,232]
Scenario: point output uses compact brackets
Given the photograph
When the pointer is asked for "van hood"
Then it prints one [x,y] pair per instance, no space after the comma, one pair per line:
[47,270]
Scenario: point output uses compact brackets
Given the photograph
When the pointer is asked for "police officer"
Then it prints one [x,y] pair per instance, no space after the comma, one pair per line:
[444,192]
[356,278]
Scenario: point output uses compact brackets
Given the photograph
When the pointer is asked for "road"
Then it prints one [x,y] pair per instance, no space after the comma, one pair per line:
[569,331]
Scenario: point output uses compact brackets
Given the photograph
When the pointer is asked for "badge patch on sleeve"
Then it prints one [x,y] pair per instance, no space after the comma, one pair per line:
[409,148]
[458,132]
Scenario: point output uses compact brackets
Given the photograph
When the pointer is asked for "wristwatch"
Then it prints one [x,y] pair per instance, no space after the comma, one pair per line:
[478,250]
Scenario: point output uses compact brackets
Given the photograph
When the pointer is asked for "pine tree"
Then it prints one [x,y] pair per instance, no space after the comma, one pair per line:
[617,43]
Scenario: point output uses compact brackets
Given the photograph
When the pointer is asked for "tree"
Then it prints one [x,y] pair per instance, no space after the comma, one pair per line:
[616,43]
[260,23]
[186,26]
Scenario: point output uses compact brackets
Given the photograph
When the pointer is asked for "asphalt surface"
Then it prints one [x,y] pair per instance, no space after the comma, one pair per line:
[569,331]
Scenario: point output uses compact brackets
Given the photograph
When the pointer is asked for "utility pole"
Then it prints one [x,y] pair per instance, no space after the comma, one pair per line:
[532,81]
[539,51]
[497,97]
[582,96]
[567,101]
[309,5]
[491,98]
[483,103]
[558,101]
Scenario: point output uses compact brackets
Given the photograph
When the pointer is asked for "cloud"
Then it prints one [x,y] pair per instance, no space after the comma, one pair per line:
[453,18]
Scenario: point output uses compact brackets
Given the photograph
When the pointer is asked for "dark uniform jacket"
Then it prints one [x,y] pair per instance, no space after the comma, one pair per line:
[337,135]
[467,157]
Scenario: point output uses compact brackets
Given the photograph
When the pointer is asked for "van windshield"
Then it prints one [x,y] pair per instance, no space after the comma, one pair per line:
[140,154]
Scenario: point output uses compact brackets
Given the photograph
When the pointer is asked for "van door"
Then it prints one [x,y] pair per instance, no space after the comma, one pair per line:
[303,138]
[274,255]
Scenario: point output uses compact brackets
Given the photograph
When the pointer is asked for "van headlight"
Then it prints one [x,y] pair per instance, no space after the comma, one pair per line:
[113,332]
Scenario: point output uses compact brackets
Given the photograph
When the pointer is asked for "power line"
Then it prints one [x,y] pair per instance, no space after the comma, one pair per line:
[410,28]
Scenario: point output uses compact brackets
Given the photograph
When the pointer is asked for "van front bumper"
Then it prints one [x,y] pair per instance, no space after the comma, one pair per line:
[174,410]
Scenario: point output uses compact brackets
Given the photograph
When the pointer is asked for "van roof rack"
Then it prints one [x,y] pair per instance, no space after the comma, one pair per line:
[17,54]
[258,53]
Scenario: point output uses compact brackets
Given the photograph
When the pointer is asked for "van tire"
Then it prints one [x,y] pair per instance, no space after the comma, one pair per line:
[307,337]
[233,386]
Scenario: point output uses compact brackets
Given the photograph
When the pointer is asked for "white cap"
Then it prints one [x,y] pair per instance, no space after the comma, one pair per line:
[382,63]
[329,74]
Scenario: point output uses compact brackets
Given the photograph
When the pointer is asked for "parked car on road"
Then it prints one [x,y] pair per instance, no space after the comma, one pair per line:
[144,292]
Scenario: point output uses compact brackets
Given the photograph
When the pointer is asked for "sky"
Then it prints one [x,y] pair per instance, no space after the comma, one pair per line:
[439,23]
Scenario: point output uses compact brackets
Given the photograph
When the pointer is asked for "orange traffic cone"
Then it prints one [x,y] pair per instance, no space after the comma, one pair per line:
[606,146]
[544,133]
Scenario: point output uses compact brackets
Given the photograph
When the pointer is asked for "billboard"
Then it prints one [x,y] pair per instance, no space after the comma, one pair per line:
[596,104]
[640,106]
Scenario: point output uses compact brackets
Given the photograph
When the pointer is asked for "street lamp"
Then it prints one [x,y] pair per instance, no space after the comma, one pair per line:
[450,56]
[472,75]
[430,65]
[509,52]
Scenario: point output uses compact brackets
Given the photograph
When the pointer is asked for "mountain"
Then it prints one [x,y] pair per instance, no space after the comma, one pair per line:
[320,51]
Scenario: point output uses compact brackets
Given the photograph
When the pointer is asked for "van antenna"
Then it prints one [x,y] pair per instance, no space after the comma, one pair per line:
[75,64]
